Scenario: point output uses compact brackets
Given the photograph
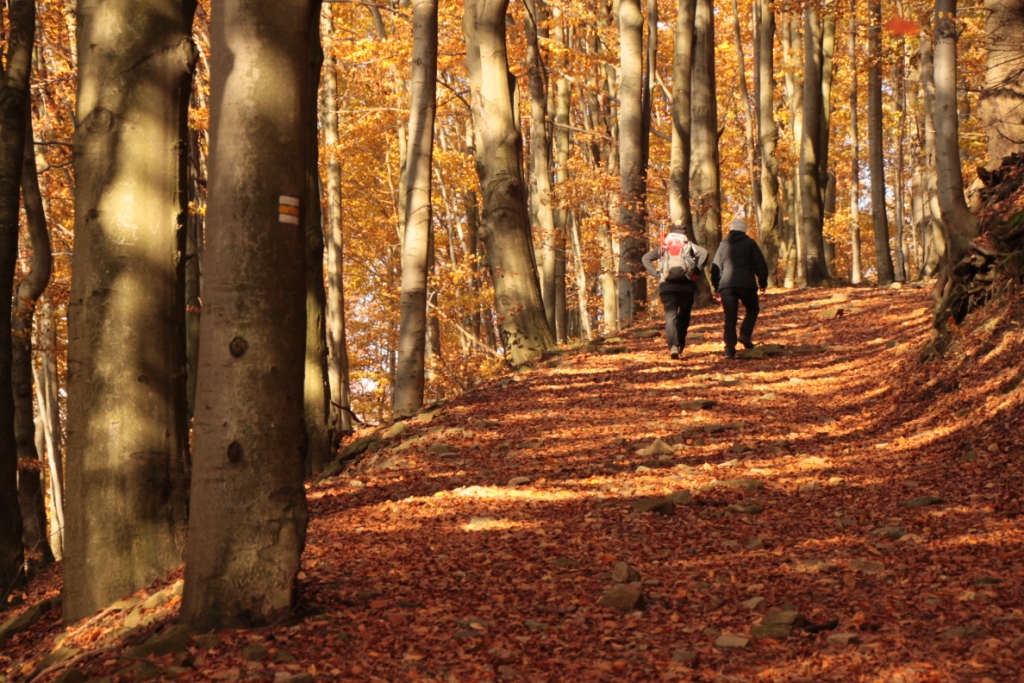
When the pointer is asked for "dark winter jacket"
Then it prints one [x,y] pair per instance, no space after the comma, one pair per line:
[701,256]
[737,262]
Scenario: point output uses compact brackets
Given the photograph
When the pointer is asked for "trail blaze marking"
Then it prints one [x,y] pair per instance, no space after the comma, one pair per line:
[288,209]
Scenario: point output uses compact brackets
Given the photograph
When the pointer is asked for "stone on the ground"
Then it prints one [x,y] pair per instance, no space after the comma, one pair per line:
[814,462]
[731,641]
[662,506]
[566,562]
[441,448]
[922,501]
[728,463]
[659,447]
[831,313]
[754,544]
[612,350]
[356,484]
[642,469]
[770,396]
[174,639]
[746,508]
[477,523]
[358,446]
[207,641]
[26,619]
[682,497]
[772,631]
[254,651]
[156,599]
[518,481]
[696,405]
[529,445]
[739,447]
[812,486]
[70,676]
[645,334]
[535,625]
[623,572]
[666,460]
[754,603]
[843,639]
[866,566]
[723,427]
[395,430]
[893,532]
[961,632]
[784,618]
[622,597]
[744,484]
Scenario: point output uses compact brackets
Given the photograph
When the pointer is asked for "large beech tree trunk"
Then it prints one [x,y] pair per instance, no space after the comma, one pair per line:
[748,123]
[1003,98]
[524,329]
[632,162]
[815,268]
[937,229]
[564,223]
[768,137]
[961,225]
[855,257]
[28,291]
[248,524]
[127,465]
[704,169]
[417,245]
[682,65]
[14,96]
[876,158]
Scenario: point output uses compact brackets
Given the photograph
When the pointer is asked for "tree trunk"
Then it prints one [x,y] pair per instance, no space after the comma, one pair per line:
[248,524]
[632,170]
[855,257]
[961,225]
[337,345]
[901,270]
[1002,98]
[30,480]
[127,455]
[795,102]
[580,272]
[682,68]
[769,136]
[753,211]
[937,229]
[704,169]
[541,212]
[14,94]
[409,372]
[876,159]
[47,392]
[826,179]
[562,144]
[813,213]
[524,330]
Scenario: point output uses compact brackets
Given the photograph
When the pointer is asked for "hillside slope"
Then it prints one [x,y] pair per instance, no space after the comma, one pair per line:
[840,513]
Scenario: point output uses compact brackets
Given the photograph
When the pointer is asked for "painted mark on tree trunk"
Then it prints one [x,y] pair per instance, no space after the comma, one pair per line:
[288,209]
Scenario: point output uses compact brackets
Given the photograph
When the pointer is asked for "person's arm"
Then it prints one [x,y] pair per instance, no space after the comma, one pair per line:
[648,260]
[760,266]
[701,257]
[716,266]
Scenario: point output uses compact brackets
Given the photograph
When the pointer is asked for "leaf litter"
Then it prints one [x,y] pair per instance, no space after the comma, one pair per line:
[868,530]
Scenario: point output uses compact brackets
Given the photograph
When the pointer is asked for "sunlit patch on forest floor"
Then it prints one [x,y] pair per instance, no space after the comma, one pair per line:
[857,508]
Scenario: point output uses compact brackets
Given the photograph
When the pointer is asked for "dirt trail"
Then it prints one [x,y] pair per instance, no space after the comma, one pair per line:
[821,522]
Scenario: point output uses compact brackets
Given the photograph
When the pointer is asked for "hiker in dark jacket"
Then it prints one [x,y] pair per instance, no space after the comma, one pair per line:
[738,272]
[676,290]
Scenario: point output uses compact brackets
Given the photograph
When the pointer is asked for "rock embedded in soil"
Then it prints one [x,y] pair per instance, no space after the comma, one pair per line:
[731,642]
[395,430]
[961,632]
[746,508]
[744,484]
[174,639]
[696,405]
[784,618]
[518,481]
[681,497]
[253,652]
[477,523]
[771,631]
[623,572]
[739,447]
[891,532]
[754,603]
[922,501]
[843,639]
[622,597]
[686,657]
[662,506]
[866,566]
[659,447]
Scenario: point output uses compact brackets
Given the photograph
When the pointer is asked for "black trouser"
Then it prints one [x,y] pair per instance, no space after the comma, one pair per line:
[677,316]
[731,299]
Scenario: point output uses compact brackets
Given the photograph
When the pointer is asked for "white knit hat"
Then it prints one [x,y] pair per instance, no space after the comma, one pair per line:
[739,225]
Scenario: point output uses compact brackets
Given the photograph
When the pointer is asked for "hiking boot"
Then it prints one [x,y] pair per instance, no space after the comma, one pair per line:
[674,352]
[730,354]
[747,343]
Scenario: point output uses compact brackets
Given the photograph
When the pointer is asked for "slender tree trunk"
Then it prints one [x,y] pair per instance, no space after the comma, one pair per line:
[794,98]
[525,334]
[769,136]
[901,270]
[813,218]
[1003,97]
[748,124]
[937,228]
[632,172]
[961,225]
[704,169]
[580,272]
[127,455]
[46,380]
[826,179]
[337,345]
[541,211]
[855,256]
[682,68]
[563,217]
[876,159]
[248,524]
[27,293]
[409,377]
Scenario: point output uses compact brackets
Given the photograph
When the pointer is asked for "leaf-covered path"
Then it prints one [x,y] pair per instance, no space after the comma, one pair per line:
[833,516]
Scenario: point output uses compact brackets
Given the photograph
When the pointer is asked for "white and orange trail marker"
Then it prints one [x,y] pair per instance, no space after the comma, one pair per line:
[288,210]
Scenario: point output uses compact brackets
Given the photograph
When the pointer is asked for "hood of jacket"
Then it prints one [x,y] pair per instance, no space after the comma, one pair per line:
[735,236]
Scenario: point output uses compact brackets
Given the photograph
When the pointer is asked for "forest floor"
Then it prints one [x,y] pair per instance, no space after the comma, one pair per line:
[841,513]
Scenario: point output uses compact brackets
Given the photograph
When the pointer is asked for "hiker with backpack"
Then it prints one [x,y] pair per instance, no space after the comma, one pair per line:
[738,272]
[680,264]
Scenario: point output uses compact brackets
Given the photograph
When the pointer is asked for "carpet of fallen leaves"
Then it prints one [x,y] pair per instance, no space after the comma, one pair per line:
[423,562]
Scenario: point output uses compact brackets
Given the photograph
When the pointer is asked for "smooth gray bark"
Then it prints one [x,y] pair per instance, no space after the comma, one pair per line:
[407,398]
[705,180]
[679,170]
[525,334]
[855,248]
[771,226]
[127,448]
[248,523]
[815,269]
[937,229]
[748,124]
[1002,101]
[876,159]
